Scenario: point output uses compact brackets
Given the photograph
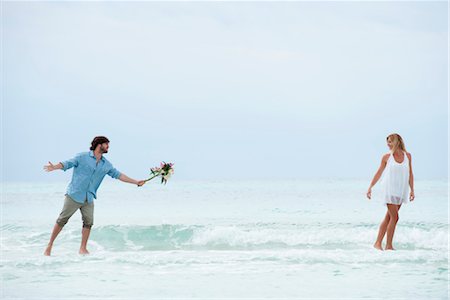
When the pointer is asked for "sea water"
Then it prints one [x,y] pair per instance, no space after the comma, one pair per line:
[294,239]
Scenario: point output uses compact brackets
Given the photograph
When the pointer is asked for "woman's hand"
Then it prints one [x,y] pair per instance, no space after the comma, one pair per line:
[369,193]
[411,196]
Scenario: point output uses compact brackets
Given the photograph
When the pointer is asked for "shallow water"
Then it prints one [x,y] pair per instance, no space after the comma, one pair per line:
[225,239]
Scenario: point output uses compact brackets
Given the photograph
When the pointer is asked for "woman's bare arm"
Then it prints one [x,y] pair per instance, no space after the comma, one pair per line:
[411,178]
[378,174]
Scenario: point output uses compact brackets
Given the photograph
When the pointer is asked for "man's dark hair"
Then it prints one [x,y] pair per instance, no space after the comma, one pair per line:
[98,140]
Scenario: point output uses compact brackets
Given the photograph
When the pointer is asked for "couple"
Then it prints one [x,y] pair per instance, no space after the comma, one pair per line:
[91,167]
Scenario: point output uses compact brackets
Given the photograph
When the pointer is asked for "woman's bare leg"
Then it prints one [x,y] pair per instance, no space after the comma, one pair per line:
[382,232]
[393,214]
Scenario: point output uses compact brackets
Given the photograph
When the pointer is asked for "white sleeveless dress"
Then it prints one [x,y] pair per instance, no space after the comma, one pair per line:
[395,181]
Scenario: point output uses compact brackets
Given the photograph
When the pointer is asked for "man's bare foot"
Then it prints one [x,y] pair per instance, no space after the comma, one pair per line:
[83,251]
[389,248]
[378,246]
[48,250]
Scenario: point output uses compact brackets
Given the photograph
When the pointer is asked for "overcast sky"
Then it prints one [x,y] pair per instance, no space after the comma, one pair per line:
[242,90]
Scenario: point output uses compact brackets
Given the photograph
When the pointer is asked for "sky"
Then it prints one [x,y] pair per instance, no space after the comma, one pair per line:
[225,90]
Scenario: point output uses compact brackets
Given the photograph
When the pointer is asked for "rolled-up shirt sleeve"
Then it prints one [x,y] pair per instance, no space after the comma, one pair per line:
[67,164]
[114,173]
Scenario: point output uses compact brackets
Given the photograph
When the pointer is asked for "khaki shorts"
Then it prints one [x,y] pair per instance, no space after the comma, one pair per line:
[71,206]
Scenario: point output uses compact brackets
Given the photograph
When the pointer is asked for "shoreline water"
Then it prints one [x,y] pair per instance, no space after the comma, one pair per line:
[225,239]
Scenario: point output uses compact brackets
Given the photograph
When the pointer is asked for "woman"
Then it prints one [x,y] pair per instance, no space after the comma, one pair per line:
[397,174]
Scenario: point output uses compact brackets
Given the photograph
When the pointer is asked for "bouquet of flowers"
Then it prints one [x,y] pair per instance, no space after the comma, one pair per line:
[165,170]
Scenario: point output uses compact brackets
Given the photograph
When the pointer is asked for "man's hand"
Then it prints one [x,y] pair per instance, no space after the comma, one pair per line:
[412,196]
[50,167]
[141,182]
[369,193]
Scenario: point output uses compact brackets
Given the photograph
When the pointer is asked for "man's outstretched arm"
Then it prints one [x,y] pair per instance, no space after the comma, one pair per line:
[51,167]
[125,178]
[63,165]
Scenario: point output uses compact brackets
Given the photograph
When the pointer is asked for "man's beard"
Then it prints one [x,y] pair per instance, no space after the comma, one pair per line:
[103,150]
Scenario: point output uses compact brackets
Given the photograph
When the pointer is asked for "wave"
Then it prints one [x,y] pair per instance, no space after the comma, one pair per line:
[255,236]
[180,245]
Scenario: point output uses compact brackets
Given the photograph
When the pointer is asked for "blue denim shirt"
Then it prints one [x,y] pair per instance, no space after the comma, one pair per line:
[87,175]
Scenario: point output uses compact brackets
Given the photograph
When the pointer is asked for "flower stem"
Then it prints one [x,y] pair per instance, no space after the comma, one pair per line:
[156,175]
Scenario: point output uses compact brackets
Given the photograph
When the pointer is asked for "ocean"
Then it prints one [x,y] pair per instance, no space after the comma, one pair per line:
[293,239]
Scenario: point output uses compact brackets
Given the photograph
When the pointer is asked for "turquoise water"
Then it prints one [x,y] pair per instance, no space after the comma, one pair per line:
[225,239]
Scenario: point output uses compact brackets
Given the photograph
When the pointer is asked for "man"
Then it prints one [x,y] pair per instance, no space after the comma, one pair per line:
[89,170]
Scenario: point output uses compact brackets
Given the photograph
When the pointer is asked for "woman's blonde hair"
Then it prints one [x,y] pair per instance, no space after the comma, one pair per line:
[397,140]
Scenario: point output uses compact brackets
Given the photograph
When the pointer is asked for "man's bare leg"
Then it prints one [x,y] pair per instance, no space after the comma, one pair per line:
[84,238]
[56,230]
